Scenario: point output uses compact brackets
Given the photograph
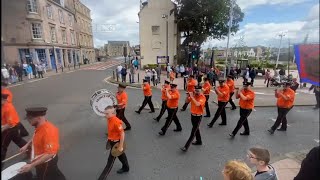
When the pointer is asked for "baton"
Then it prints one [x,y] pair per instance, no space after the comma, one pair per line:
[16,155]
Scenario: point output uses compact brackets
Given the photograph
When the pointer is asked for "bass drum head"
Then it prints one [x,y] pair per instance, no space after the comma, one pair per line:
[12,171]
[95,94]
[101,101]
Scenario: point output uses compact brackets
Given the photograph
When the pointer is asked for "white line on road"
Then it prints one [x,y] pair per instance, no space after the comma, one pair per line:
[70,72]
[317,140]
[37,80]
[274,120]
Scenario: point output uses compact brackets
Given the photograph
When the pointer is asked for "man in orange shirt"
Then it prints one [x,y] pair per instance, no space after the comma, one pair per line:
[9,126]
[164,100]
[223,97]
[284,103]
[191,84]
[198,101]
[206,91]
[147,97]
[115,135]
[172,104]
[44,145]
[230,84]
[122,99]
[246,96]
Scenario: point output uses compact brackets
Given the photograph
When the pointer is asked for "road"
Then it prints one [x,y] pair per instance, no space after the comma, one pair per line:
[82,154]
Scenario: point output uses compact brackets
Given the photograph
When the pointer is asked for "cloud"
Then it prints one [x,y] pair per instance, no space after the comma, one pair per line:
[247,4]
[314,12]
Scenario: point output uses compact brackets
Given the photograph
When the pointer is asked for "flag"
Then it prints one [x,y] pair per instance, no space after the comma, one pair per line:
[307,60]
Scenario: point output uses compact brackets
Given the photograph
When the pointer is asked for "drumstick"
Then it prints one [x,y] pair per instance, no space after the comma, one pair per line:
[12,157]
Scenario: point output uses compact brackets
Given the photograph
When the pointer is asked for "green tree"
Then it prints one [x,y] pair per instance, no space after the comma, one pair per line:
[199,20]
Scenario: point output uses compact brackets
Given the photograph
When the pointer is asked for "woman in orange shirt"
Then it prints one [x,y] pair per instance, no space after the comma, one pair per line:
[172,75]
[191,84]
[285,103]
[246,96]
[230,84]
[147,97]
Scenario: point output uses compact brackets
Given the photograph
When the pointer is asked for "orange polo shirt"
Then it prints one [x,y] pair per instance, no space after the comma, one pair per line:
[230,84]
[147,90]
[172,75]
[164,92]
[225,93]
[7,91]
[282,103]
[174,101]
[198,110]
[114,128]
[249,103]
[122,98]
[46,139]
[207,87]
[9,115]
[191,85]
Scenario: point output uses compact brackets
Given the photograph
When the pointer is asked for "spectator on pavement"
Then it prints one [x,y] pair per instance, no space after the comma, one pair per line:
[238,70]
[177,70]
[119,68]
[34,71]
[132,72]
[123,74]
[29,71]
[12,74]
[19,69]
[310,166]
[154,77]
[252,75]
[136,63]
[44,68]
[316,90]
[158,70]
[25,66]
[195,70]
[148,76]
[267,77]
[236,170]
[5,73]
[182,70]
[260,158]
[246,75]
[40,70]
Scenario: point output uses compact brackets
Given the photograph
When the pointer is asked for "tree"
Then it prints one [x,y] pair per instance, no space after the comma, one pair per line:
[201,19]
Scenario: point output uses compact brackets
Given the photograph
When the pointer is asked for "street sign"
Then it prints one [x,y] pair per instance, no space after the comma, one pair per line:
[162,59]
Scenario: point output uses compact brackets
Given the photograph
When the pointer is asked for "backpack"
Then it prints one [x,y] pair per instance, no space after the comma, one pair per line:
[124,71]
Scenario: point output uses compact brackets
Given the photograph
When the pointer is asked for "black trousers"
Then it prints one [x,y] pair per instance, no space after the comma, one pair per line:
[185,105]
[281,119]
[123,159]
[147,100]
[317,94]
[252,81]
[40,73]
[49,170]
[220,111]
[231,101]
[120,115]
[163,109]
[172,116]
[207,105]
[243,121]
[20,77]
[9,135]
[195,132]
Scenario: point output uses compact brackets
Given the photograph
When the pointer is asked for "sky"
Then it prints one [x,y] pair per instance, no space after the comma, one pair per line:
[263,22]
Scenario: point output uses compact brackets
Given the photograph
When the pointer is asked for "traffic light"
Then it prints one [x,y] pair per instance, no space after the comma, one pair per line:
[194,55]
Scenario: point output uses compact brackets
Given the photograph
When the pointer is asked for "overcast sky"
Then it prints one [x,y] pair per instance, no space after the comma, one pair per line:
[264,20]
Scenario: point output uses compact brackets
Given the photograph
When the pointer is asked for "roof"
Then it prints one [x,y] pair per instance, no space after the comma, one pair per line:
[118,42]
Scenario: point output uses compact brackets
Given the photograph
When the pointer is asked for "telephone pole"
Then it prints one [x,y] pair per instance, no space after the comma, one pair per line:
[281,36]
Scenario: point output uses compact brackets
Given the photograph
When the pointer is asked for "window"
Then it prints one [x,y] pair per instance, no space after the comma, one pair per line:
[53,34]
[85,40]
[41,53]
[61,16]
[50,12]
[72,37]
[64,36]
[155,30]
[70,20]
[32,6]
[36,30]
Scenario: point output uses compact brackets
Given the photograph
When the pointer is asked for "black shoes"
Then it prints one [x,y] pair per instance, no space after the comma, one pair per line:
[271,131]
[244,133]
[156,119]
[177,130]
[184,149]
[161,133]
[137,112]
[281,129]
[210,125]
[233,108]
[231,135]
[121,171]
[222,124]
[196,143]
[182,110]
[127,128]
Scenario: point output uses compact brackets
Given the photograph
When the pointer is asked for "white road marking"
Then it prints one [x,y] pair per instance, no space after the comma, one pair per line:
[37,80]
[274,120]
[259,93]
[316,140]
[70,72]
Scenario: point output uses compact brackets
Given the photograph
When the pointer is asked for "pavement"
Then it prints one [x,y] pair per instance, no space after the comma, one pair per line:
[82,154]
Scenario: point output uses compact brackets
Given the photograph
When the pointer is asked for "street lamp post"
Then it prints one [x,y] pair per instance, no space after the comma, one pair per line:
[281,36]
[229,29]
[167,40]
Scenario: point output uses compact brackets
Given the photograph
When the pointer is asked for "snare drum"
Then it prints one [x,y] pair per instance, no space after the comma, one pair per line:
[12,172]
[100,100]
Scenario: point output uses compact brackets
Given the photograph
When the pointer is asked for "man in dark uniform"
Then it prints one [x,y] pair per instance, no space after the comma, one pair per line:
[147,96]
[223,97]
[172,104]
[45,146]
[164,100]
[115,135]
[198,101]
[122,99]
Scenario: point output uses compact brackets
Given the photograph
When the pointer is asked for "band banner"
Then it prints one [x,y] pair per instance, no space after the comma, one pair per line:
[307,60]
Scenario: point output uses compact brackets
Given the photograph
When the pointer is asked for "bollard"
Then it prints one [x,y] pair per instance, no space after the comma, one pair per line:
[69,67]
[130,79]
[113,75]
[138,77]
[117,77]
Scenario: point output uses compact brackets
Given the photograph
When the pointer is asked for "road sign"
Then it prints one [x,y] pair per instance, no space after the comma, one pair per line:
[162,59]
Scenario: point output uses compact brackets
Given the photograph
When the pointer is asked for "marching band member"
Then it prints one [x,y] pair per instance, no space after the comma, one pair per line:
[223,97]
[115,134]
[147,97]
[164,100]
[122,99]
[172,104]
[5,90]
[9,126]
[284,103]
[246,102]
[206,91]
[45,146]
[191,84]
[230,84]
[198,101]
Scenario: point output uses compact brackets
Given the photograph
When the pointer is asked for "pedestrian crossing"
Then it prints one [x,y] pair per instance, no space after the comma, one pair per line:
[105,65]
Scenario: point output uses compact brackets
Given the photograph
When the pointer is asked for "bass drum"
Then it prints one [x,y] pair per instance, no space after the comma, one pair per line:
[100,100]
